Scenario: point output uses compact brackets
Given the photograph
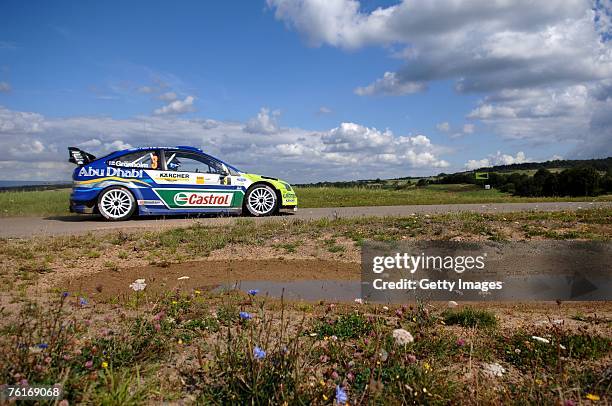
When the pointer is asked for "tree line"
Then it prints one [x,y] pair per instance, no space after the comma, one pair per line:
[577,181]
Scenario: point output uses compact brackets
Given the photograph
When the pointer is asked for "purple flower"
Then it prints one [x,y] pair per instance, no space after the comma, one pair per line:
[460,342]
[569,402]
[253,292]
[64,294]
[245,316]
[89,364]
[341,397]
[258,353]
[83,301]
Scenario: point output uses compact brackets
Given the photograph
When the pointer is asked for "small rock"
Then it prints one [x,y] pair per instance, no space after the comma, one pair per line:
[182,278]
[452,304]
[541,339]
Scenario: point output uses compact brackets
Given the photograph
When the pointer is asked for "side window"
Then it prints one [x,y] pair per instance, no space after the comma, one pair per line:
[190,162]
[140,159]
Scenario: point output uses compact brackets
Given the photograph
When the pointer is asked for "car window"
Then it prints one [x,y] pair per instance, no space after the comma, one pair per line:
[190,162]
[141,159]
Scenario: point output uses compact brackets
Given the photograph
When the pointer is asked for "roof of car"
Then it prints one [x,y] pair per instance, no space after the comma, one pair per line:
[184,147]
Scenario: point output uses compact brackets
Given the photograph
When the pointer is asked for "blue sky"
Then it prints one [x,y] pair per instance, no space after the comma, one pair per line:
[278,79]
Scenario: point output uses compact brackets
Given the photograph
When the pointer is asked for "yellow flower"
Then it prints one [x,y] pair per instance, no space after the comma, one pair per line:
[426,366]
[197,292]
[104,364]
[322,382]
[592,397]
[325,397]
[539,381]
[180,341]
[174,302]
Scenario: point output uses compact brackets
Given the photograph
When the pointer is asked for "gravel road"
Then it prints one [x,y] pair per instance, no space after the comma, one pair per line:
[11,227]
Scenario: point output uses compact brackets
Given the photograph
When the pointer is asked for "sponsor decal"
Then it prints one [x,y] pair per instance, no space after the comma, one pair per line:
[172,176]
[108,171]
[128,164]
[200,180]
[202,199]
[150,203]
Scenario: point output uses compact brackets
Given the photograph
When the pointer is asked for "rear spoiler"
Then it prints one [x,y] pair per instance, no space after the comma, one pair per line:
[80,157]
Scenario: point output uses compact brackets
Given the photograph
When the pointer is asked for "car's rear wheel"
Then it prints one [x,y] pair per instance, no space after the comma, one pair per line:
[116,203]
[261,200]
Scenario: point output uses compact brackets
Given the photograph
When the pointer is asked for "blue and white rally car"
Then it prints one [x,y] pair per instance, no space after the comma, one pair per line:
[170,180]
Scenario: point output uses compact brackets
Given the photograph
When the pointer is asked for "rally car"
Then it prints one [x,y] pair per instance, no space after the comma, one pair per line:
[170,180]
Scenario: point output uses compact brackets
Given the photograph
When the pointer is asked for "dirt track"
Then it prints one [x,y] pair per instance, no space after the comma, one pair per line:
[62,225]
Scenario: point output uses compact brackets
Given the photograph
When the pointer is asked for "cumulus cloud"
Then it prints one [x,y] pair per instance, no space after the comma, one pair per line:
[348,151]
[5,87]
[390,84]
[177,107]
[266,122]
[496,159]
[544,67]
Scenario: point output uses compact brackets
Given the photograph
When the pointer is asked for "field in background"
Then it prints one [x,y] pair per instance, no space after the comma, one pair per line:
[55,202]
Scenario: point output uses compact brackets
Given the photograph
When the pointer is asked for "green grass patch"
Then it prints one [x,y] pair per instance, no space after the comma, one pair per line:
[470,317]
[34,203]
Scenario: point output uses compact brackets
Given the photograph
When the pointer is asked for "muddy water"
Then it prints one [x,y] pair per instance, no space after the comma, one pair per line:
[308,279]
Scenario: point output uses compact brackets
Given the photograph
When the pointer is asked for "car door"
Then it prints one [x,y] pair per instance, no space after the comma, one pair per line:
[193,180]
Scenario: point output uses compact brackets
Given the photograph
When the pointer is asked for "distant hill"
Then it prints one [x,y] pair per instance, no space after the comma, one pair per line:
[603,164]
[17,185]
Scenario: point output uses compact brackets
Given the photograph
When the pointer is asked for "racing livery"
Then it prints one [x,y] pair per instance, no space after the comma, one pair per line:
[170,180]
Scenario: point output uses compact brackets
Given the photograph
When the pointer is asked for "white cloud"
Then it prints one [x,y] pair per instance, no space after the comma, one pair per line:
[468,128]
[348,151]
[168,96]
[390,84]
[444,127]
[544,66]
[497,159]
[324,110]
[177,107]
[266,122]
[5,87]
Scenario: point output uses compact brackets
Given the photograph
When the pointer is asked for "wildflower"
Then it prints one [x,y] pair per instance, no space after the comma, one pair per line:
[47,360]
[180,341]
[359,300]
[253,292]
[460,342]
[159,316]
[541,339]
[350,376]
[138,285]
[64,402]
[197,292]
[411,358]
[402,337]
[592,397]
[43,346]
[341,397]
[325,397]
[89,364]
[64,294]
[494,369]
[83,301]
[258,353]
[569,402]
[426,366]
[385,308]
[104,364]
[245,316]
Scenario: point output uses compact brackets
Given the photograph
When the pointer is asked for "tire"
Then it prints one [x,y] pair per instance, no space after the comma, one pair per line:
[116,203]
[261,200]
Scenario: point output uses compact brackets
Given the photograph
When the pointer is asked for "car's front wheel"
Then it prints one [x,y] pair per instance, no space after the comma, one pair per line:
[261,200]
[116,203]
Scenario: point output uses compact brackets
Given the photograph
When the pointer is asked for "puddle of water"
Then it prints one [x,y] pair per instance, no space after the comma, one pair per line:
[328,290]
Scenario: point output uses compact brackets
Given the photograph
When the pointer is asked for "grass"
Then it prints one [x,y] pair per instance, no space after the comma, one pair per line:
[189,348]
[55,202]
[469,317]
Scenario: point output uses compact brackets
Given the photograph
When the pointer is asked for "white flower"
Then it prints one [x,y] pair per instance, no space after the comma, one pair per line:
[402,337]
[494,369]
[138,285]
[541,339]
[385,308]
[359,300]
[182,278]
